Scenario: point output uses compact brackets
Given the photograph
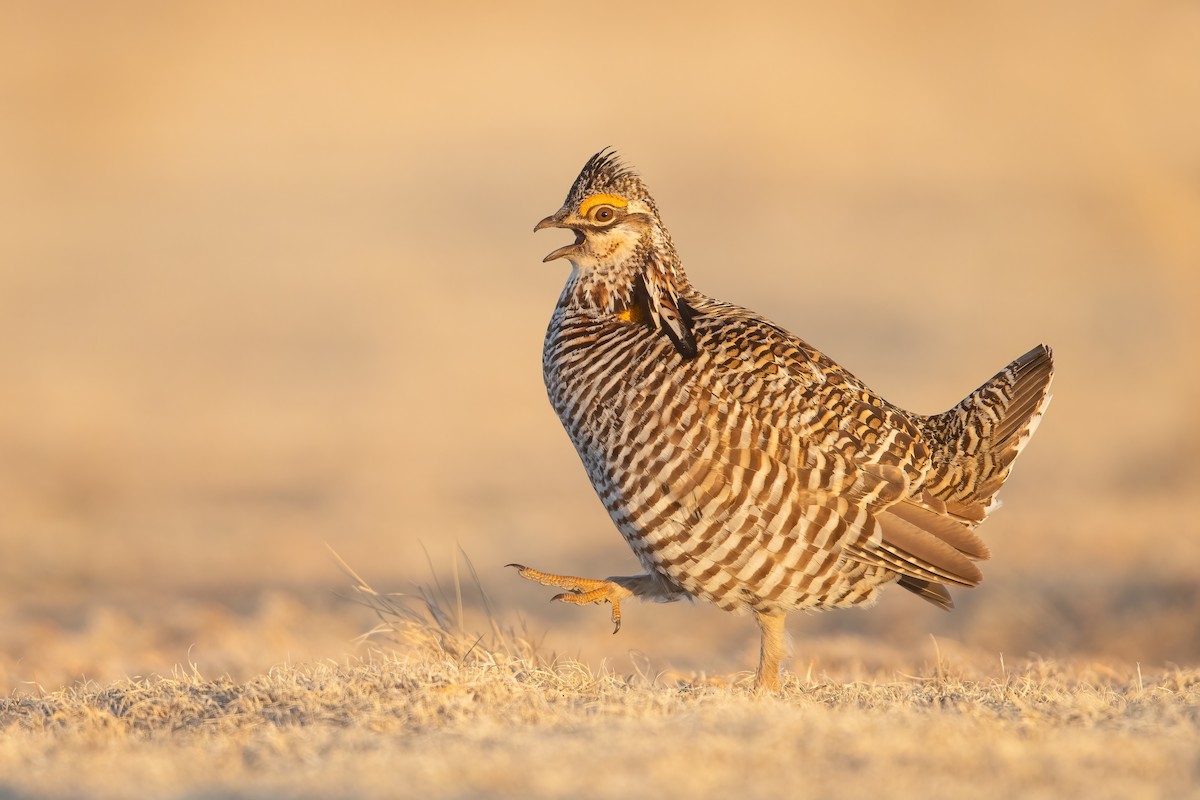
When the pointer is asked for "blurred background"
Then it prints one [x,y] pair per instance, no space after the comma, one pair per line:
[268,281]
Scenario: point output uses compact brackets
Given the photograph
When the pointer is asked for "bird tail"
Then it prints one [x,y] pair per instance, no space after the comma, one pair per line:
[974,444]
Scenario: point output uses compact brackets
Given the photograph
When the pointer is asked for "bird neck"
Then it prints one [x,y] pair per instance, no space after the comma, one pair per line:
[649,287]
[613,288]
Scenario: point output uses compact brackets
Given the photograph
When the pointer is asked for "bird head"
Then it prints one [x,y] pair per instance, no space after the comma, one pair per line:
[610,212]
[622,255]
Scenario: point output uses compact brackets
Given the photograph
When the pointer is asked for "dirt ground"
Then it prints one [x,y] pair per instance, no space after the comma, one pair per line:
[268,283]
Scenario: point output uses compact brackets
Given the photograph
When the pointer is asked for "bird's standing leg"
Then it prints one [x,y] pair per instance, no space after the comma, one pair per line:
[771,652]
[582,591]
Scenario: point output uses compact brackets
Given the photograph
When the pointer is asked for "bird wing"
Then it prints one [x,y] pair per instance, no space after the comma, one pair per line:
[852,451]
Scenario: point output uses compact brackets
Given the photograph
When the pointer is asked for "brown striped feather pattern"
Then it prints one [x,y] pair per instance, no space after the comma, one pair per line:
[743,466]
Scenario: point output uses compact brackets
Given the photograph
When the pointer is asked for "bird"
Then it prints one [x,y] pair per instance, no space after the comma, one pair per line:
[743,466]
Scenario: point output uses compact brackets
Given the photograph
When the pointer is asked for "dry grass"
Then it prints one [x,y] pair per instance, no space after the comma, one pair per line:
[443,711]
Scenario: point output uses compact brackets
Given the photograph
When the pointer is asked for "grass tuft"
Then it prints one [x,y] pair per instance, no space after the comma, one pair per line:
[449,701]
[424,624]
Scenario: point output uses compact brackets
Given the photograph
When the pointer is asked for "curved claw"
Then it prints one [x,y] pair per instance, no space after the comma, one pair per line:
[582,598]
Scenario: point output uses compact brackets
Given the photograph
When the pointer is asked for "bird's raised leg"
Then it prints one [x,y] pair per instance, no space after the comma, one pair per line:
[582,591]
[771,652]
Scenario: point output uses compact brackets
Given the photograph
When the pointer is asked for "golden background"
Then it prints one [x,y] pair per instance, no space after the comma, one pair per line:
[267,281]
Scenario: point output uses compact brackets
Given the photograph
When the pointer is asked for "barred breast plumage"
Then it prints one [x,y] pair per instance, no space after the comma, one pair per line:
[742,465]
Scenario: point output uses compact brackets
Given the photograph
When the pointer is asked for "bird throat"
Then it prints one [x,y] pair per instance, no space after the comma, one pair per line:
[637,310]
[642,310]
[636,313]
[649,296]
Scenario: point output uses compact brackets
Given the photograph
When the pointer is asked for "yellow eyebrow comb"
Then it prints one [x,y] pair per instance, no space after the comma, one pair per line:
[601,200]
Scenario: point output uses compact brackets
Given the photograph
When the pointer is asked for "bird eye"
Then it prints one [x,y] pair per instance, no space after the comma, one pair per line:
[603,214]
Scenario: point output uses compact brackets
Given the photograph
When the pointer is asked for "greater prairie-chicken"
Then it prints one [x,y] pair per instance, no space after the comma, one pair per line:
[742,465]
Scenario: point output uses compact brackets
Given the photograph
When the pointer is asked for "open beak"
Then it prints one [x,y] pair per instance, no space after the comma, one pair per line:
[556,221]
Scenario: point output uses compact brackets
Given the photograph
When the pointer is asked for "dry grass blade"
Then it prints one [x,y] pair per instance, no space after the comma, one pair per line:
[423,622]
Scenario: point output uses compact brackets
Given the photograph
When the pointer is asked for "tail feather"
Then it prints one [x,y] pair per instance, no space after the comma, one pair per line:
[928,539]
[1029,398]
[929,591]
[974,444]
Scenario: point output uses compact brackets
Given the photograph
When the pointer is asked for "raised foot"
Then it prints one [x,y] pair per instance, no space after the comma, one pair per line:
[580,591]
